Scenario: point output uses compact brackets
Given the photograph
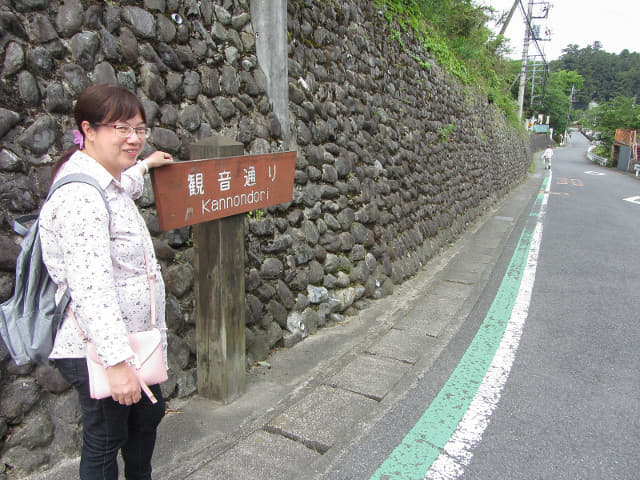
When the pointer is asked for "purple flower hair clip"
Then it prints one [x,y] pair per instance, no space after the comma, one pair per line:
[78,139]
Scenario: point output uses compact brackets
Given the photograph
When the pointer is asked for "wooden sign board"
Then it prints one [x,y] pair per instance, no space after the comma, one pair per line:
[198,191]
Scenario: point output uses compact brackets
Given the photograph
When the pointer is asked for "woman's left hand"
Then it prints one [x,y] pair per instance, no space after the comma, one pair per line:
[157,159]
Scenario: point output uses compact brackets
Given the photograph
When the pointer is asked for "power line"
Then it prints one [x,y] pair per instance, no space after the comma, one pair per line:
[531,33]
[530,29]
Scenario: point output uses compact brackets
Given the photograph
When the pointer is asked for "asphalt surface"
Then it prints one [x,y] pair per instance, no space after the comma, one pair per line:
[571,409]
[305,414]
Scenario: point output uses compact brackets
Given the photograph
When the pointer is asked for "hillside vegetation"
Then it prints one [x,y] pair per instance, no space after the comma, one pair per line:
[606,75]
[607,90]
[454,33]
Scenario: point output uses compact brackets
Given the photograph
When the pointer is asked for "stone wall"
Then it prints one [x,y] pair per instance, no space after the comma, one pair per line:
[540,141]
[394,160]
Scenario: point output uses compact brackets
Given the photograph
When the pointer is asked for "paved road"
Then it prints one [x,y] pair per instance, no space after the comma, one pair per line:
[570,407]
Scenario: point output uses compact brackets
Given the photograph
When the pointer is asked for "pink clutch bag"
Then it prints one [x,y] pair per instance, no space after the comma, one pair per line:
[148,364]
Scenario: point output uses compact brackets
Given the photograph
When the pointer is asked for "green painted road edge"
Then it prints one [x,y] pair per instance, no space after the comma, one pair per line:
[413,457]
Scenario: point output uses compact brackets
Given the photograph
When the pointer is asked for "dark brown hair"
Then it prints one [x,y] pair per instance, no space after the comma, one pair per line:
[103,103]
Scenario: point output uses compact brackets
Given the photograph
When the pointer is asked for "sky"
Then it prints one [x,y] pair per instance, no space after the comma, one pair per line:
[614,23]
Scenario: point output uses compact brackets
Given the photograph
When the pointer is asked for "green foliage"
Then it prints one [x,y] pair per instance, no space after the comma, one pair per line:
[557,98]
[604,152]
[621,112]
[255,214]
[445,133]
[410,17]
[567,80]
[612,82]
[454,32]
[599,77]
[606,75]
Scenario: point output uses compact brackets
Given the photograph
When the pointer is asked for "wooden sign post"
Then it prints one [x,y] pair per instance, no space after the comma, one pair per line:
[220,188]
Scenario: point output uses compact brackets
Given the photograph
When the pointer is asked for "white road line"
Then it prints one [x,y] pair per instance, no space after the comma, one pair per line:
[458,451]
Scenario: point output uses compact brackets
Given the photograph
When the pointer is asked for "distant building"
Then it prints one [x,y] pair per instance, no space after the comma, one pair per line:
[625,149]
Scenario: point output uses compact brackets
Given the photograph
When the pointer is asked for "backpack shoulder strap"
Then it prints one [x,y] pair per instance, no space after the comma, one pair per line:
[82,178]
[20,224]
[74,178]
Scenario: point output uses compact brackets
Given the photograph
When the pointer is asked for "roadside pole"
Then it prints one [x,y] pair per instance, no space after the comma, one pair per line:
[219,292]
[212,192]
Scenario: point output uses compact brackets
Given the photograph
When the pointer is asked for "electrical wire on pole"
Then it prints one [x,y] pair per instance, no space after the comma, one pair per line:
[532,33]
[525,60]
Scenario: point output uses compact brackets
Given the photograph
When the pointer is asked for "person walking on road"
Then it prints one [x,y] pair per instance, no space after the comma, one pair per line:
[101,255]
[547,155]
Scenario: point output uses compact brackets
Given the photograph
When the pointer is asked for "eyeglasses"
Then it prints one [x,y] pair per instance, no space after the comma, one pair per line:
[125,131]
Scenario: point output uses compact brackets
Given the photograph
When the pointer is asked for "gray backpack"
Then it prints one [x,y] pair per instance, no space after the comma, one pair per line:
[30,319]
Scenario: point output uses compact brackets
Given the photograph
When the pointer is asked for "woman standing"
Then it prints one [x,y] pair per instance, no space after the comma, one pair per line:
[101,255]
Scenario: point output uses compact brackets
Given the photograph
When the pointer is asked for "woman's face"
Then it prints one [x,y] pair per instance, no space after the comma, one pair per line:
[115,153]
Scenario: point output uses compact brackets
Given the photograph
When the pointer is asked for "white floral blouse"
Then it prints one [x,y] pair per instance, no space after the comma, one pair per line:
[101,258]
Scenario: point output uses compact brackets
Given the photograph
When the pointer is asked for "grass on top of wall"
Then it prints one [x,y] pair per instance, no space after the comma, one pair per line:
[454,33]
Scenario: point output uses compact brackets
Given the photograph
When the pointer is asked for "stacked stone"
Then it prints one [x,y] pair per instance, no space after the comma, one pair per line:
[194,65]
[394,161]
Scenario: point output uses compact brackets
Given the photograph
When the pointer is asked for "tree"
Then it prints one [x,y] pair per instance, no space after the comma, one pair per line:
[621,112]
[557,99]
[606,75]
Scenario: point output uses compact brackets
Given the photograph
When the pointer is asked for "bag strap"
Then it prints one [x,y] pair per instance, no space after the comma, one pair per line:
[81,178]
[152,291]
[20,223]
[73,178]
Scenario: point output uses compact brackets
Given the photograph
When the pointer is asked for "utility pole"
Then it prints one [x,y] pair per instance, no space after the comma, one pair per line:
[525,60]
[508,19]
[566,127]
[533,81]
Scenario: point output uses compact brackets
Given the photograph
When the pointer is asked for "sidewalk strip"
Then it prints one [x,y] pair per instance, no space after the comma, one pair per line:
[441,442]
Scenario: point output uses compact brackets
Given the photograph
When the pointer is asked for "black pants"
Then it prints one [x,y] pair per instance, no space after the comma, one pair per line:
[109,427]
